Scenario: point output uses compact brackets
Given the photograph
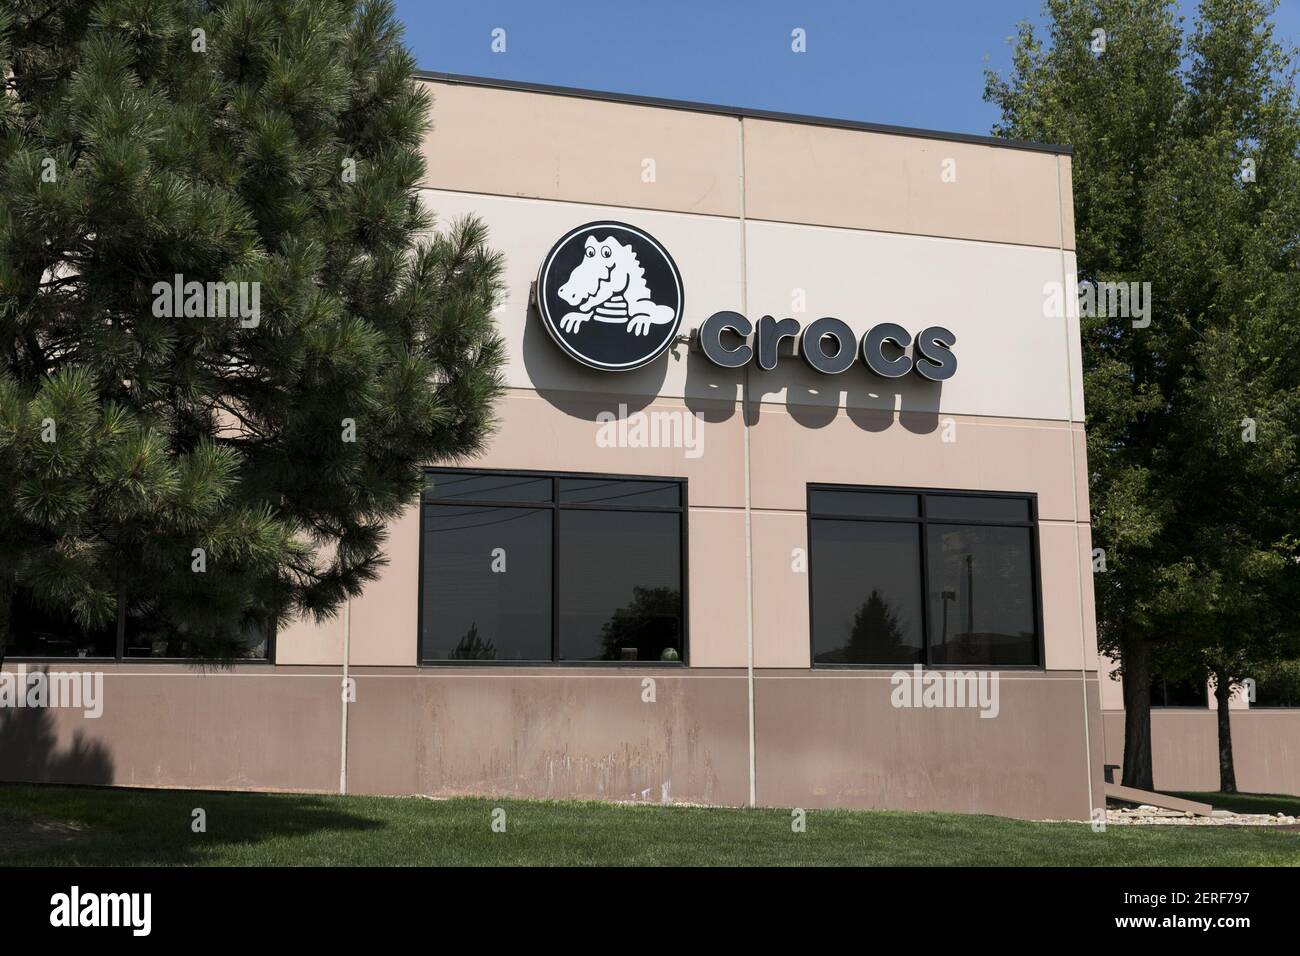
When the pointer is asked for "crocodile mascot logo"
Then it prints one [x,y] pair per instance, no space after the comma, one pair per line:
[610,296]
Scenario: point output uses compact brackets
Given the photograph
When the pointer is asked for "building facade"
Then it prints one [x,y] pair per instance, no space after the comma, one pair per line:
[1185,734]
[787,504]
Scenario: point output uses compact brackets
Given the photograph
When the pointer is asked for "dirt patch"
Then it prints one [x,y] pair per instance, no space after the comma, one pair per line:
[21,836]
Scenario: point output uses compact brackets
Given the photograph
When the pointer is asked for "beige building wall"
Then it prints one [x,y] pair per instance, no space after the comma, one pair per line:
[1185,748]
[1185,741]
[250,727]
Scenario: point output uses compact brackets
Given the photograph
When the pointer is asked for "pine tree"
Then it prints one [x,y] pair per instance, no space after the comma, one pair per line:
[1185,171]
[212,465]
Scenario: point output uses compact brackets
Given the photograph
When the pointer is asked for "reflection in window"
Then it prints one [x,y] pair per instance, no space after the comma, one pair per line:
[664,494]
[981,595]
[148,632]
[465,487]
[592,572]
[894,585]
[487,583]
[620,585]
[866,592]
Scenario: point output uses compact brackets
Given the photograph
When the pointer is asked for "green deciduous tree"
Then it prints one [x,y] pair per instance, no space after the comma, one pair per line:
[210,465]
[1186,176]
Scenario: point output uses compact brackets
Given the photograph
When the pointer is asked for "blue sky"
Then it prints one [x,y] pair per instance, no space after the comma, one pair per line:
[906,62]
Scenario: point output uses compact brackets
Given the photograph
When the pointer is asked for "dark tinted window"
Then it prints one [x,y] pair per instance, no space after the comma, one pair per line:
[976,508]
[37,631]
[40,632]
[446,486]
[150,634]
[893,585]
[866,592]
[620,585]
[981,595]
[647,494]
[487,584]
[868,504]
[591,570]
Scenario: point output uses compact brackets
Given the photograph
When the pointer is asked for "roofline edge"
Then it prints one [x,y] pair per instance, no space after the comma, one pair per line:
[742,112]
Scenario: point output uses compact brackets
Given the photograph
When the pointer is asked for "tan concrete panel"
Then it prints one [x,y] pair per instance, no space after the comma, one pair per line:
[385,619]
[1066,645]
[835,739]
[787,453]
[1096,738]
[1064,165]
[717,595]
[307,641]
[516,143]
[554,734]
[707,251]
[781,636]
[1069,269]
[1112,688]
[250,729]
[534,434]
[1185,748]
[1012,359]
[1081,478]
[1092,658]
[860,180]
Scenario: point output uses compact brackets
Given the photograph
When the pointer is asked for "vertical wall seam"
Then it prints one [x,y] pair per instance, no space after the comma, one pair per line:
[1074,489]
[749,514]
[343,696]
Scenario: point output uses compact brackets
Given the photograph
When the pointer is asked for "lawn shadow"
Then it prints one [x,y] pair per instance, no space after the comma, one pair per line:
[144,827]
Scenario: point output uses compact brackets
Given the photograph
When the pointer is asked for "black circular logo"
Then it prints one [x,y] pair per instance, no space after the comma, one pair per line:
[610,295]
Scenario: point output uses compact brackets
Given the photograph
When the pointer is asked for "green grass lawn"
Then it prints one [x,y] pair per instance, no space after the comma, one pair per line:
[91,826]
[1270,803]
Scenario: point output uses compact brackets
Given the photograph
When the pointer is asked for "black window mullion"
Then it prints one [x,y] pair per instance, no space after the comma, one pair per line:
[870,519]
[555,571]
[121,625]
[1036,582]
[926,643]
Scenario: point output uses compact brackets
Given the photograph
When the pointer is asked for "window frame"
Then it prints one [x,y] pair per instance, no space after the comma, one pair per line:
[119,655]
[681,509]
[922,521]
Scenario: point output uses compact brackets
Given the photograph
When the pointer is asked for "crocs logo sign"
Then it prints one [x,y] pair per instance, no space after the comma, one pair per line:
[612,298]
[829,345]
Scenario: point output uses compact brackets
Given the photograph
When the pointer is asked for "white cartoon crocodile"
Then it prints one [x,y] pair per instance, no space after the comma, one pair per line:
[608,285]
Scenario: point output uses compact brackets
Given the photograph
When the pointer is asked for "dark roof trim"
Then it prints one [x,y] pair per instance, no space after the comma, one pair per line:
[741,112]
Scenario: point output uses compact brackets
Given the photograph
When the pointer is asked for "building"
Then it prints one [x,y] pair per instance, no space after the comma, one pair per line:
[698,564]
[1185,734]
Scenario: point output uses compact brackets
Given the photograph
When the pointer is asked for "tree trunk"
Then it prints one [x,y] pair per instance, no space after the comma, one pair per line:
[1135,656]
[1227,774]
